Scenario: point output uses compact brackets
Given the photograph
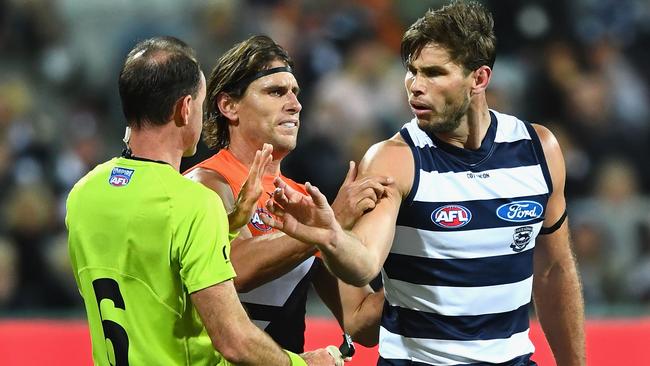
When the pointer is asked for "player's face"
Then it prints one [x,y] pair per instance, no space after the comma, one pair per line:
[269,111]
[195,123]
[438,90]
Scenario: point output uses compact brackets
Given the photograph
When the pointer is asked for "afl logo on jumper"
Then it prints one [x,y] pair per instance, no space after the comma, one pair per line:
[520,211]
[120,177]
[451,216]
[257,222]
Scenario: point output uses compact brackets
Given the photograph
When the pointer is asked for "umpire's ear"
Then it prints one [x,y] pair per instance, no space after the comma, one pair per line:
[182,110]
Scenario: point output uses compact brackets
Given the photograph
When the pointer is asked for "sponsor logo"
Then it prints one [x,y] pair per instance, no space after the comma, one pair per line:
[520,211]
[521,238]
[451,216]
[257,222]
[120,177]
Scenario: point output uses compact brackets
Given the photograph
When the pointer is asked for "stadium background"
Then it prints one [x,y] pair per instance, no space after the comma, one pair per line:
[578,67]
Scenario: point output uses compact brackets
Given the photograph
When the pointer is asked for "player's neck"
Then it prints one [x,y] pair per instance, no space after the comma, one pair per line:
[244,151]
[473,127]
[157,143]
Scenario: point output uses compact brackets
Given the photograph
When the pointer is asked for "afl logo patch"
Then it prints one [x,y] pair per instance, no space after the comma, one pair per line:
[120,177]
[520,211]
[451,216]
[257,222]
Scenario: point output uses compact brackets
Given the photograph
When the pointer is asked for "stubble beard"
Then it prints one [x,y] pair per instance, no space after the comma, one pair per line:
[450,118]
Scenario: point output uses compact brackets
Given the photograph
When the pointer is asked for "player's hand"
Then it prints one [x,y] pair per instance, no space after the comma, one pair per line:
[309,219]
[355,197]
[321,357]
[251,190]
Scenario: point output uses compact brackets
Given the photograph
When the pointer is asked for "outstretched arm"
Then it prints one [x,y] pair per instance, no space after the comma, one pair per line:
[236,338]
[556,286]
[254,264]
[354,256]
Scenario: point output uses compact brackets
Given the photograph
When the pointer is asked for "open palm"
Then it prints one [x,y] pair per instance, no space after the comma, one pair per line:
[308,218]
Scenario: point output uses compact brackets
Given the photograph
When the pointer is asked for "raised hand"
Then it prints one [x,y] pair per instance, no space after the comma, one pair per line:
[251,190]
[355,197]
[309,219]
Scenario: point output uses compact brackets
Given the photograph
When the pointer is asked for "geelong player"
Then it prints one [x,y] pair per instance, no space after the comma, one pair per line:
[474,224]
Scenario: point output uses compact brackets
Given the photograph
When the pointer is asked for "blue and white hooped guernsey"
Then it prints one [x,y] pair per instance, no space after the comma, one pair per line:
[458,278]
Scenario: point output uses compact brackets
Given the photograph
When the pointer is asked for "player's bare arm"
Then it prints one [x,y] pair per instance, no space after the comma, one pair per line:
[556,285]
[253,263]
[358,195]
[236,338]
[357,309]
[354,256]
[240,210]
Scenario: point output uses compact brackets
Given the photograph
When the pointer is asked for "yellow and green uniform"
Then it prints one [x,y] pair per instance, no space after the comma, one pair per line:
[142,238]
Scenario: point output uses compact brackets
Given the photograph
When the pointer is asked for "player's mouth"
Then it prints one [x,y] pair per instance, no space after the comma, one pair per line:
[289,124]
[419,109]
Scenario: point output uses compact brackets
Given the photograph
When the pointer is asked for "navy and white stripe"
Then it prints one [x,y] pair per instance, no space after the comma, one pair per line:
[278,306]
[459,294]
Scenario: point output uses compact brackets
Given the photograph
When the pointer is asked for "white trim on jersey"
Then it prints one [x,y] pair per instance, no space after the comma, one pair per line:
[505,182]
[276,292]
[509,129]
[444,245]
[394,346]
[458,301]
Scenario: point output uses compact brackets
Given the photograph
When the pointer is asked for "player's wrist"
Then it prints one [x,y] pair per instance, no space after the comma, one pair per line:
[295,359]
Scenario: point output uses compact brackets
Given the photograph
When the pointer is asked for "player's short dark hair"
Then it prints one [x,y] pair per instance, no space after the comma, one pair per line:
[464,28]
[156,73]
[238,64]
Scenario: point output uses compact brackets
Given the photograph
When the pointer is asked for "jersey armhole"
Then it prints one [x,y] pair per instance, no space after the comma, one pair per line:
[416,169]
[539,154]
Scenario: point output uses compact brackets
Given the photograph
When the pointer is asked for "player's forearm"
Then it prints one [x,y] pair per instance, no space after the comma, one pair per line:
[348,259]
[363,323]
[560,308]
[262,259]
[248,345]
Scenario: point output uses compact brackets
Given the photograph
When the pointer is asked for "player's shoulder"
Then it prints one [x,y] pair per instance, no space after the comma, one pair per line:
[386,151]
[392,157]
[88,180]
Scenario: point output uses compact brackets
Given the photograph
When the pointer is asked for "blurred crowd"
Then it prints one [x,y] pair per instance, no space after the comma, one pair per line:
[578,67]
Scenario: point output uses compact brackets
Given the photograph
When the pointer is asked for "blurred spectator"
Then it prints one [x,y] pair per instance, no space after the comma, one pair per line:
[577,67]
[618,210]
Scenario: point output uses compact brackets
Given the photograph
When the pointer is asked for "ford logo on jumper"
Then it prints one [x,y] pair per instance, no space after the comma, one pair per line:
[520,211]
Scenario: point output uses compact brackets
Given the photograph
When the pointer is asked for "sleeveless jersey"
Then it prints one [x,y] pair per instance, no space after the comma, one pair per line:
[458,278]
[278,306]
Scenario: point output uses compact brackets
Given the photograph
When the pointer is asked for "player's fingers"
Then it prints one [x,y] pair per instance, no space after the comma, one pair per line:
[378,183]
[255,166]
[369,193]
[280,197]
[336,355]
[352,173]
[270,220]
[319,199]
[266,157]
[274,208]
[366,204]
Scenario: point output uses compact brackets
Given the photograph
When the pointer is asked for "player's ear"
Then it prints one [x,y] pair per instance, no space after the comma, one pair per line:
[481,79]
[182,110]
[228,107]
